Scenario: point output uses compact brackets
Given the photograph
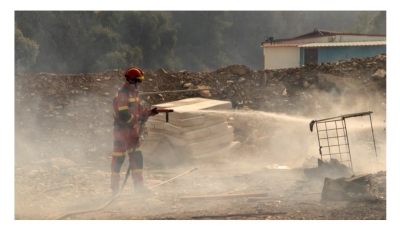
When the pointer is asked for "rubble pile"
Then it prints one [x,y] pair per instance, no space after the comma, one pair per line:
[59,109]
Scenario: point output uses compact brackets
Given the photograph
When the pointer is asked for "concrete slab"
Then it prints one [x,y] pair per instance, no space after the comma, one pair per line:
[187,101]
[182,102]
[155,124]
[157,150]
[206,132]
[191,137]
[219,127]
[194,129]
[179,122]
[191,107]
[197,133]
[220,140]
[179,130]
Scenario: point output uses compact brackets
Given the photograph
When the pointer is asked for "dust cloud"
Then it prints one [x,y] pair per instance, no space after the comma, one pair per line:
[62,153]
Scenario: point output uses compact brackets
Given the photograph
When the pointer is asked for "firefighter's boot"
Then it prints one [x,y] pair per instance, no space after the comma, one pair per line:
[141,190]
[138,183]
[115,178]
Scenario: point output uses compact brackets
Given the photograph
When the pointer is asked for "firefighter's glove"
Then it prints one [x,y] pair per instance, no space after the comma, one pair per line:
[153,112]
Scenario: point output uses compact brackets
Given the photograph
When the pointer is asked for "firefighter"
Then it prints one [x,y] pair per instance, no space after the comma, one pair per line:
[128,113]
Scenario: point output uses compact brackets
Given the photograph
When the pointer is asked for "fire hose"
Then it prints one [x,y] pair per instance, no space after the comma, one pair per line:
[141,128]
[116,196]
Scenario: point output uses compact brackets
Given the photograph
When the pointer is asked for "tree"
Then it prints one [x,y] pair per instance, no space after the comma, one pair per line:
[378,23]
[85,41]
[362,22]
[26,51]
[147,31]
[61,36]
[123,57]
[200,41]
[243,39]
[103,39]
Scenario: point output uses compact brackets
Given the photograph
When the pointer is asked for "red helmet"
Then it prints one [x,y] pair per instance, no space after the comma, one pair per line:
[133,75]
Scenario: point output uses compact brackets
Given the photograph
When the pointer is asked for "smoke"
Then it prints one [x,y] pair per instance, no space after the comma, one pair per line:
[61,154]
[346,97]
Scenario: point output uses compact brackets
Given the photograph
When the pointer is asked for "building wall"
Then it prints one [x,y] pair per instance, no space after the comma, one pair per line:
[301,57]
[358,38]
[333,54]
[281,57]
[337,38]
[292,56]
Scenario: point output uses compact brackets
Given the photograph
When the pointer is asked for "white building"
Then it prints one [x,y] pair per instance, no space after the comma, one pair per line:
[320,46]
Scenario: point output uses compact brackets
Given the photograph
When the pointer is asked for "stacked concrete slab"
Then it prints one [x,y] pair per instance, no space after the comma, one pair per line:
[195,129]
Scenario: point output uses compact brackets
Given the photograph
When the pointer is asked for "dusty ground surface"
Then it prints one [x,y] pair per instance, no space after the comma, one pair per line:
[63,143]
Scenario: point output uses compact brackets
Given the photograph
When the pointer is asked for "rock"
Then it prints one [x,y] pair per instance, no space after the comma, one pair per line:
[33,173]
[204,93]
[238,69]
[99,175]
[42,163]
[55,167]
[161,71]
[72,171]
[62,163]
[380,73]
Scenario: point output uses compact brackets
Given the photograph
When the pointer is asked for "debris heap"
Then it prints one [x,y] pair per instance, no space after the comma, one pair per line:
[191,132]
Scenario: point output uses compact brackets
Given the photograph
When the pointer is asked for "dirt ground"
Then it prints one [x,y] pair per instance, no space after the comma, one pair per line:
[63,143]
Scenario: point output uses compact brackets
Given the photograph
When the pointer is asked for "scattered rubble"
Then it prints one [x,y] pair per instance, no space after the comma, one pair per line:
[333,169]
[350,189]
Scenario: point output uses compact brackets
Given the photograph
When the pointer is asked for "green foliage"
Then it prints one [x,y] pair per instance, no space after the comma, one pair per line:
[91,41]
[124,56]
[362,22]
[201,38]
[112,60]
[133,55]
[61,36]
[103,39]
[242,32]
[26,50]
[369,22]
[378,23]
[151,31]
